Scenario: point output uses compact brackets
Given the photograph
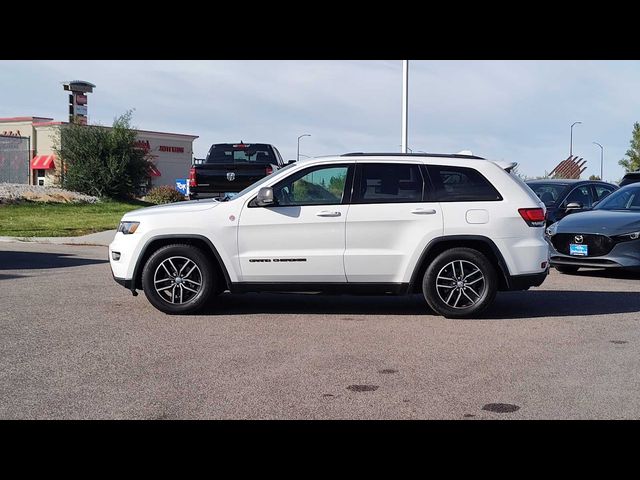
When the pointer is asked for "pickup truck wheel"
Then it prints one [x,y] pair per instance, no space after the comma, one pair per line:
[460,283]
[178,279]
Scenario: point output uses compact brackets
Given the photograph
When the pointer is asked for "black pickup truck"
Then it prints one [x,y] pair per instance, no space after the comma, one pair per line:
[231,167]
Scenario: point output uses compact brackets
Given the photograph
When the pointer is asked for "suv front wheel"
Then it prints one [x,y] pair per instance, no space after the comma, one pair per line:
[459,283]
[178,279]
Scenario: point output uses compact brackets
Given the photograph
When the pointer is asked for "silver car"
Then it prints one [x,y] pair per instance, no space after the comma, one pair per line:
[607,236]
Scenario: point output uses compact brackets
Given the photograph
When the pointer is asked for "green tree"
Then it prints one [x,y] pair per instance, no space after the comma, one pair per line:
[102,161]
[632,163]
[594,177]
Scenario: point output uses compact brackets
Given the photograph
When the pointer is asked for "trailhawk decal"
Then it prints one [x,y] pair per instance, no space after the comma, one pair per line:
[269,260]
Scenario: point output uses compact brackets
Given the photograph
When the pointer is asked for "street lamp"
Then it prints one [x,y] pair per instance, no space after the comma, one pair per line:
[304,135]
[571,145]
[601,158]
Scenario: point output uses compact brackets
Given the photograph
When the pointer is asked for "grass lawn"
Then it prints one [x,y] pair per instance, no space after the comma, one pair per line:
[38,219]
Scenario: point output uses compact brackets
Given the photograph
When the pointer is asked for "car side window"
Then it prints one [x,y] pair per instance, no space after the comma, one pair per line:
[602,191]
[388,183]
[461,184]
[314,186]
[580,195]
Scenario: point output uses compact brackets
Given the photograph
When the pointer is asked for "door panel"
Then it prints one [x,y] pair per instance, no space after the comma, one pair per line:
[382,239]
[302,239]
[388,224]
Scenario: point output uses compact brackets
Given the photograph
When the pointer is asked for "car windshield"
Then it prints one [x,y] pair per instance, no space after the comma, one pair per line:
[627,198]
[549,193]
[275,174]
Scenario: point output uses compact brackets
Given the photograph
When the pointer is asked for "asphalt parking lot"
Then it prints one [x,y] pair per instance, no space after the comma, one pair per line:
[75,345]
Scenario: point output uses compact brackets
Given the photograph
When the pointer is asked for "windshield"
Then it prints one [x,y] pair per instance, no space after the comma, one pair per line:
[259,153]
[627,198]
[275,174]
[549,193]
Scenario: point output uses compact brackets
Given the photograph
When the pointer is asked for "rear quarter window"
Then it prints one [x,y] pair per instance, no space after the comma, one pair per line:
[461,184]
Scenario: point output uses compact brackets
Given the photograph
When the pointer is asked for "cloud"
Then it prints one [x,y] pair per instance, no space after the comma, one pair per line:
[512,110]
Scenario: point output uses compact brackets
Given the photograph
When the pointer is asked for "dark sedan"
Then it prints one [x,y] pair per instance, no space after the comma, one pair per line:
[562,197]
[606,237]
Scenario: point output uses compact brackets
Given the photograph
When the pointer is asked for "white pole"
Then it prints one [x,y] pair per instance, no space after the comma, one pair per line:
[405,103]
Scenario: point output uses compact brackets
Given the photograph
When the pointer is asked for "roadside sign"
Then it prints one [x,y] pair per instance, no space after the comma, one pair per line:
[181,185]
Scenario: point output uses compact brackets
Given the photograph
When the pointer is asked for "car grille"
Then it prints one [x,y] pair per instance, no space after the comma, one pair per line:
[598,244]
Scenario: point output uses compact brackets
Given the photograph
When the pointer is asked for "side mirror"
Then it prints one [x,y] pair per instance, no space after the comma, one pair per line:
[573,206]
[265,197]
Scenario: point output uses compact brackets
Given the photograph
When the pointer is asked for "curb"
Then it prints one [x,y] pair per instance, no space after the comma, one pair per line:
[100,239]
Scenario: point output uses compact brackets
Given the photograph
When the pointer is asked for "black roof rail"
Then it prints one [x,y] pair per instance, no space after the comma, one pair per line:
[441,155]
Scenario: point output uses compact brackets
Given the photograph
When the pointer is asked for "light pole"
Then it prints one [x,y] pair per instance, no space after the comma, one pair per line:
[571,144]
[405,104]
[601,158]
[303,135]
[405,148]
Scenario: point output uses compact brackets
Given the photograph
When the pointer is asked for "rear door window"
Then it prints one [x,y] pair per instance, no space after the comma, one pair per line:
[388,183]
[461,184]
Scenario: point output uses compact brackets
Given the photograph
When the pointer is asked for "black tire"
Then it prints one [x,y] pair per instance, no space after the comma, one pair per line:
[155,274]
[566,269]
[466,303]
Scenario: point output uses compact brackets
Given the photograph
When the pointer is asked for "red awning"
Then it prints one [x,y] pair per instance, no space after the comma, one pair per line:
[44,162]
[154,171]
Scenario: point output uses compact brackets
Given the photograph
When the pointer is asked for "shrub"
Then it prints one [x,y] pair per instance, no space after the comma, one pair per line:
[163,194]
[100,161]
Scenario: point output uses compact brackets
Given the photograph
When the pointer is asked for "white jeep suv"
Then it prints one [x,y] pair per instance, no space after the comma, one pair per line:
[456,228]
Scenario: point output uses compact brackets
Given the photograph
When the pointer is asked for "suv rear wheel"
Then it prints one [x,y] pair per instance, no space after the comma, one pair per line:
[460,283]
[178,279]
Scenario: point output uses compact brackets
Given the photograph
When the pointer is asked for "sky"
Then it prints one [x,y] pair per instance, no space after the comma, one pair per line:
[502,110]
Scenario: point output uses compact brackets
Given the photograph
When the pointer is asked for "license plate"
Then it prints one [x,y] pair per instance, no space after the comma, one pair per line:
[579,250]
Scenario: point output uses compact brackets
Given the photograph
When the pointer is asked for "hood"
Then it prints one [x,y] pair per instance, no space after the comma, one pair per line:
[604,222]
[172,208]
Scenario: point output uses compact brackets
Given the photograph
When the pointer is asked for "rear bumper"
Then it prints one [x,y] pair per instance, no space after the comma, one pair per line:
[523,282]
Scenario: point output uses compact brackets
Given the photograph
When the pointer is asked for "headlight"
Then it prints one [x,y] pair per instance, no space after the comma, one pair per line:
[551,230]
[128,227]
[626,237]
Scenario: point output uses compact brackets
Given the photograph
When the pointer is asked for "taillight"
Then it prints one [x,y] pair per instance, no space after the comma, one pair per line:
[192,177]
[534,217]
[269,170]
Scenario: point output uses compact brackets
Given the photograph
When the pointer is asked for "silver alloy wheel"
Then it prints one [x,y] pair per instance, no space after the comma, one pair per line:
[460,284]
[177,280]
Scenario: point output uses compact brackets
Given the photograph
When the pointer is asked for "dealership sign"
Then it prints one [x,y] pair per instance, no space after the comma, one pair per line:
[164,148]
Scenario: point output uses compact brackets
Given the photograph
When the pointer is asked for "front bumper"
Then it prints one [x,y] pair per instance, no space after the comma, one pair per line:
[622,255]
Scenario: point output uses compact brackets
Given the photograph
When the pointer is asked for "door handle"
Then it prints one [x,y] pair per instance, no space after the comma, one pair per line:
[326,213]
[423,211]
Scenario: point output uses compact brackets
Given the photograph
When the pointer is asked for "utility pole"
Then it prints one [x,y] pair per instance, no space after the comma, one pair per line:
[405,104]
[601,159]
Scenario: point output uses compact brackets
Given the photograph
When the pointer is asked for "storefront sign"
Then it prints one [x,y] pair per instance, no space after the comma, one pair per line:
[11,133]
[143,145]
[164,148]
[81,99]
[80,109]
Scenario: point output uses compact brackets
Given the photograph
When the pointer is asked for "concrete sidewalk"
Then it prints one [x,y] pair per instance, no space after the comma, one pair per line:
[100,239]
